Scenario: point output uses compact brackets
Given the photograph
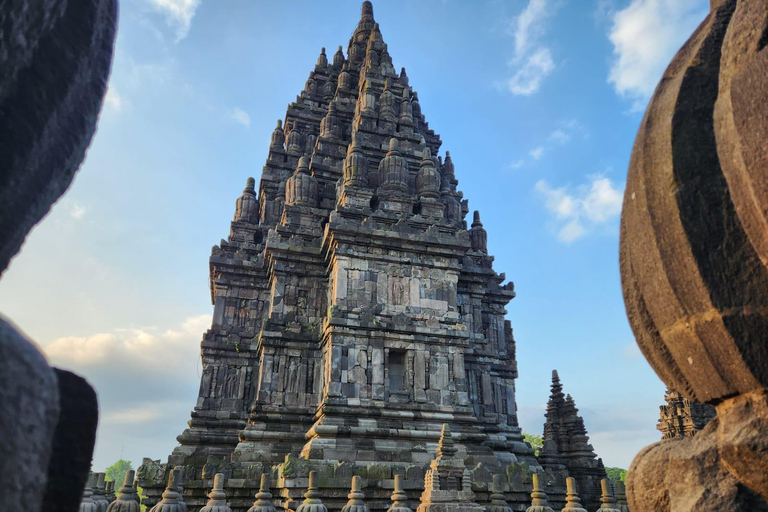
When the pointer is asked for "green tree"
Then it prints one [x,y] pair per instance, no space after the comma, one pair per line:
[616,474]
[535,441]
[116,472]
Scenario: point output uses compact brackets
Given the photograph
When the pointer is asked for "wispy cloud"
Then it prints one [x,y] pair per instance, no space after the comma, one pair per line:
[537,152]
[113,100]
[565,131]
[241,117]
[645,35]
[178,14]
[77,211]
[532,60]
[579,212]
[133,346]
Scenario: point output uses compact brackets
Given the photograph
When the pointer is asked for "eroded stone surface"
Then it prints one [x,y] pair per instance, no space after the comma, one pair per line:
[693,246]
[29,408]
[73,442]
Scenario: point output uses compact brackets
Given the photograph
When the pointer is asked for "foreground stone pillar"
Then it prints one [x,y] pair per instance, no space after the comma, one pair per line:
[55,56]
[694,247]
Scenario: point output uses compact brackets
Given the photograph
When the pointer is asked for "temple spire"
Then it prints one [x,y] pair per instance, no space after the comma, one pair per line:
[338,59]
[322,60]
[477,235]
[246,206]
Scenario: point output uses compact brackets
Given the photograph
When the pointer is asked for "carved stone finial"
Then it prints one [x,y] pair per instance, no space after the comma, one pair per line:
[368,100]
[263,501]
[355,503]
[367,10]
[387,102]
[338,58]
[399,497]
[498,502]
[376,34]
[428,179]
[466,481]
[87,504]
[294,139]
[322,60]
[406,110]
[538,497]
[98,493]
[607,499]
[217,498]
[403,77]
[572,500]
[247,206]
[478,236]
[301,188]
[312,502]
[621,497]
[125,500]
[393,170]
[330,128]
[170,501]
[445,446]
[355,165]
[278,137]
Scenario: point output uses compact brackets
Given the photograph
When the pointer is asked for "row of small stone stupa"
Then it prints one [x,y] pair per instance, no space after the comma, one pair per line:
[447,488]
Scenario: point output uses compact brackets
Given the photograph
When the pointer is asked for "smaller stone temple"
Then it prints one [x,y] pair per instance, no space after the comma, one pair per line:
[682,417]
[566,445]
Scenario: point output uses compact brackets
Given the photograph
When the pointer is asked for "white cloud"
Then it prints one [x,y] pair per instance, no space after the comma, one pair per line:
[146,380]
[645,36]
[241,117]
[603,201]
[516,164]
[559,136]
[580,212]
[77,211]
[537,152]
[178,14]
[131,346]
[113,100]
[532,60]
[528,78]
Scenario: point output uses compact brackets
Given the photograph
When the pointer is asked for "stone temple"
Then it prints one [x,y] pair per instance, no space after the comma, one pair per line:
[356,313]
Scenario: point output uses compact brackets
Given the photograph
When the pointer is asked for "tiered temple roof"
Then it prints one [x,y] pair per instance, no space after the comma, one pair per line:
[682,417]
[566,443]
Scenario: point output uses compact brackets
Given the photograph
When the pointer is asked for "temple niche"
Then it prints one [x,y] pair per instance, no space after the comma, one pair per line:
[357,316]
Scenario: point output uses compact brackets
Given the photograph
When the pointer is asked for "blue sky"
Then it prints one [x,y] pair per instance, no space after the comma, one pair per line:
[538,102]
